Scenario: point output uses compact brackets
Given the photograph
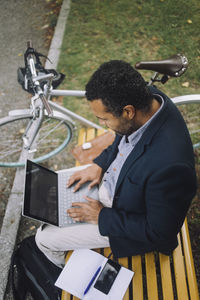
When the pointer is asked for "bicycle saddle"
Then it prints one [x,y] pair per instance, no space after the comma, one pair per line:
[174,66]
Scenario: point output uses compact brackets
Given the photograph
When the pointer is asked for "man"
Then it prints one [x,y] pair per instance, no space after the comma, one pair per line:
[147,176]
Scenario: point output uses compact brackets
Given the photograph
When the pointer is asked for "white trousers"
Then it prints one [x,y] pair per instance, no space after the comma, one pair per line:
[55,241]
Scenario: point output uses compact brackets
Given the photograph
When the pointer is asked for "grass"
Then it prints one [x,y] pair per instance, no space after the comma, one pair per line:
[98,31]
[101,30]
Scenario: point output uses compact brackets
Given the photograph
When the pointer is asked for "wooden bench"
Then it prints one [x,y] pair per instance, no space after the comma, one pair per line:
[156,276]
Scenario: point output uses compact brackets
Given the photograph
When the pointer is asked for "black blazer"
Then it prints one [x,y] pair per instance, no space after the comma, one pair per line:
[155,187]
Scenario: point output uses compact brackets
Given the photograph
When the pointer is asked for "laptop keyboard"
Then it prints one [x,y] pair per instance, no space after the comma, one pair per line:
[67,197]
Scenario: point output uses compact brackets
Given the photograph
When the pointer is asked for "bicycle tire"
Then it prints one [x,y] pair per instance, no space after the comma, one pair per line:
[12,129]
[189,106]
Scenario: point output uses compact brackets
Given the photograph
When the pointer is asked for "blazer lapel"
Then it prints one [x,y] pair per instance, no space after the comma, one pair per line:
[144,141]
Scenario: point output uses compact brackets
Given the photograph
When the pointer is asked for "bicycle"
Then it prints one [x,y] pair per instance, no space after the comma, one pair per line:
[47,128]
[46,123]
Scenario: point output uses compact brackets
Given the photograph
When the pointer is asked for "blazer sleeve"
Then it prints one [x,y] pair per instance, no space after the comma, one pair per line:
[168,194]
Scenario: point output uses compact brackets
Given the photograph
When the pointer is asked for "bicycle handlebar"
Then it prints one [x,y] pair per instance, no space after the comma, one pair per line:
[30,62]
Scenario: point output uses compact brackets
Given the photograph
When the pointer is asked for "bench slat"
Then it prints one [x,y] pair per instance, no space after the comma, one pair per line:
[166,277]
[100,131]
[152,287]
[106,251]
[82,136]
[179,270]
[81,140]
[137,284]
[90,134]
[193,288]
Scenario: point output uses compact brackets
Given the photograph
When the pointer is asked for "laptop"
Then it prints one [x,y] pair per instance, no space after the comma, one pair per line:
[46,196]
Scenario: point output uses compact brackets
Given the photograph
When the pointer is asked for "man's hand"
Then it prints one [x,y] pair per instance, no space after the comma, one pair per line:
[86,211]
[93,173]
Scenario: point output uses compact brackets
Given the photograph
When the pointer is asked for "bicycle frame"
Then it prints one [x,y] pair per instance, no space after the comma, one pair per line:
[194,98]
[68,112]
[37,112]
[41,104]
[43,111]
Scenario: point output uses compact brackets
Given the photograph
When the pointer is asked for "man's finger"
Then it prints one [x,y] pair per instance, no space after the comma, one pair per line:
[73,179]
[73,209]
[78,185]
[79,204]
[92,184]
[90,199]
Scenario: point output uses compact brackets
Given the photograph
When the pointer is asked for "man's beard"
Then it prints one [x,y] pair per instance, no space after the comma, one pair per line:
[128,131]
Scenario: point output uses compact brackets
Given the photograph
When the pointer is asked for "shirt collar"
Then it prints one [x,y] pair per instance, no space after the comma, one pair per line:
[132,138]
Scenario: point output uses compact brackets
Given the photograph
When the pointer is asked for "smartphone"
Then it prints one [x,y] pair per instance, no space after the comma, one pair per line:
[107,276]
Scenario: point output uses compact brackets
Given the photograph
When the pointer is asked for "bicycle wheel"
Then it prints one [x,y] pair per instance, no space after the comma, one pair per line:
[189,106]
[53,136]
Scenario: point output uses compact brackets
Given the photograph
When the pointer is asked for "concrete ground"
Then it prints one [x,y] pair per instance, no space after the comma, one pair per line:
[21,21]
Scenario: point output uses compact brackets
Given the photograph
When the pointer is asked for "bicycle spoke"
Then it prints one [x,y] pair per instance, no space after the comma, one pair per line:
[48,131]
[8,153]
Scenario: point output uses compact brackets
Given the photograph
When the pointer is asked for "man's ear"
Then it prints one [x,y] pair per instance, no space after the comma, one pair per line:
[129,112]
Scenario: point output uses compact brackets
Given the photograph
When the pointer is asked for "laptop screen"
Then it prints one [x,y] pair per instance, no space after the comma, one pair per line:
[41,194]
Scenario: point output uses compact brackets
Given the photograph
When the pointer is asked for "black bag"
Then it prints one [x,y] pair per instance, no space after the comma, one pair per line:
[32,273]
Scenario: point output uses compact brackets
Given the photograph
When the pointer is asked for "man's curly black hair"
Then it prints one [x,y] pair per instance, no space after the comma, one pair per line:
[118,84]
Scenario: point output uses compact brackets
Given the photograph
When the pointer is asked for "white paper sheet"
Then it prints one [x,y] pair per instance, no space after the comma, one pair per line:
[79,270]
